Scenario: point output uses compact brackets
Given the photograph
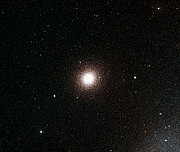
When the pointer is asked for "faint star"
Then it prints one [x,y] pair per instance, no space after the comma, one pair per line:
[96,15]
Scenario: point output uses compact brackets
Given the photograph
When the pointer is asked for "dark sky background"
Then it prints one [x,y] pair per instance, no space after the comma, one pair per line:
[132,45]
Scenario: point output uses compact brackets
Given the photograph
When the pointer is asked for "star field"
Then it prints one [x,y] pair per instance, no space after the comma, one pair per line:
[90,76]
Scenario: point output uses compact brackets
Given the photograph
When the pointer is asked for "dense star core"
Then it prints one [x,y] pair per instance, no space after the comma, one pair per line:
[88,78]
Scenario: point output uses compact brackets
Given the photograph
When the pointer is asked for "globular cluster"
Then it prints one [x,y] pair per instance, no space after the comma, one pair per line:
[87,79]
[90,76]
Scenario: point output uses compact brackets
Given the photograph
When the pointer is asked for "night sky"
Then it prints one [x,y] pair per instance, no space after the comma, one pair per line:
[131,47]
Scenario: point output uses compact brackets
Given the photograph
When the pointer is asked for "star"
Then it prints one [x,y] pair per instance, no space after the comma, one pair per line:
[96,15]
[40,131]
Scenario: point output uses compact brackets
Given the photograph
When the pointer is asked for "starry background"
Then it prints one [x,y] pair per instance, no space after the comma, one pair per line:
[133,45]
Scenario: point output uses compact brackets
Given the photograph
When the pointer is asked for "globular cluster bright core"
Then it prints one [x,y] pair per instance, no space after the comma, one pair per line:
[88,78]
